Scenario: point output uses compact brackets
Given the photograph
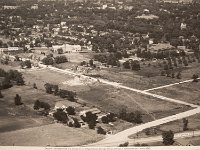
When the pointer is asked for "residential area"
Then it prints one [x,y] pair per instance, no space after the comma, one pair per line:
[108,73]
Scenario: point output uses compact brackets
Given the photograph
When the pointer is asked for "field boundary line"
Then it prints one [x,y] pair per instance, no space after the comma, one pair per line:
[168,85]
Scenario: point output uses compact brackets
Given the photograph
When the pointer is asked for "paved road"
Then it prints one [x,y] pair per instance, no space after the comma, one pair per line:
[160,87]
[121,137]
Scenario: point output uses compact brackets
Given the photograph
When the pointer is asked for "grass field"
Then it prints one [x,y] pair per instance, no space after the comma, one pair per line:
[49,135]
[110,99]
[149,76]
[188,92]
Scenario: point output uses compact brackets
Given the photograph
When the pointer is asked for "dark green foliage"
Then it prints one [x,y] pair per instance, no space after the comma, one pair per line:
[168,137]
[18,100]
[60,59]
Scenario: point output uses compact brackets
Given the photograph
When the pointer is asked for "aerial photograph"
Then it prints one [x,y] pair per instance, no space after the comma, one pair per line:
[99,73]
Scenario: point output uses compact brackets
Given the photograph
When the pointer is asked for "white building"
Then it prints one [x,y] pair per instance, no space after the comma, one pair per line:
[35,6]
[10,7]
[67,48]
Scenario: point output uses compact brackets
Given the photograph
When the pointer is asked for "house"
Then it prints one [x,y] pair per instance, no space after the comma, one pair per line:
[12,50]
[92,110]
[67,48]
[10,7]
[35,6]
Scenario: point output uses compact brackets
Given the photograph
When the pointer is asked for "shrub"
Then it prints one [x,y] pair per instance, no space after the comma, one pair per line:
[48,61]
[18,100]
[70,110]
[168,137]
[124,144]
[61,116]
[1,96]
[60,59]
[100,130]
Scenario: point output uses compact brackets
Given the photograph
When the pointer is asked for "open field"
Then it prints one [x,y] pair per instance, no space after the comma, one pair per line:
[149,76]
[175,126]
[113,100]
[188,92]
[108,98]
[52,135]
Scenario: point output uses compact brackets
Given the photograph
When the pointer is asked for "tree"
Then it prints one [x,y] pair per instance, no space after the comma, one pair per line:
[61,116]
[124,144]
[105,120]
[195,77]
[185,124]
[48,88]
[60,51]
[34,86]
[126,65]
[178,76]
[16,76]
[138,117]
[1,96]
[135,65]
[70,110]
[168,137]
[60,59]
[91,62]
[18,100]
[76,123]
[91,119]
[36,105]
[26,63]
[100,130]
[48,61]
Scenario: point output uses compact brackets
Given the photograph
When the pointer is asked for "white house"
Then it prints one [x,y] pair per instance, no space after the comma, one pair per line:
[67,48]
[10,7]
[35,6]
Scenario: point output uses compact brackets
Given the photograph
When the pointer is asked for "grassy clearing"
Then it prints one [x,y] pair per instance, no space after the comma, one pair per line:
[51,135]
[110,99]
[188,92]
